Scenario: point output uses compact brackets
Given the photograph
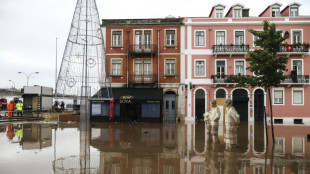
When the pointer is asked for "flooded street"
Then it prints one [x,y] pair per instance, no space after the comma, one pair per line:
[51,147]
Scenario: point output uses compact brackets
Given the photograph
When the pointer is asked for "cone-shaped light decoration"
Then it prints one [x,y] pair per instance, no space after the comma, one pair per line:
[83,68]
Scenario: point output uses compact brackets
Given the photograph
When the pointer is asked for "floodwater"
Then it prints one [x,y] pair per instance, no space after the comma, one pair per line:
[150,148]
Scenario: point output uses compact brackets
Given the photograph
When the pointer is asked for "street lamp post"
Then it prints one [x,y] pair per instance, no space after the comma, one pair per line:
[13,86]
[28,75]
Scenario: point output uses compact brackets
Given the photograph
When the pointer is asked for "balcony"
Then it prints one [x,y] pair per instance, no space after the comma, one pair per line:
[224,79]
[230,49]
[142,79]
[142,50]
[301,80]
[294,49]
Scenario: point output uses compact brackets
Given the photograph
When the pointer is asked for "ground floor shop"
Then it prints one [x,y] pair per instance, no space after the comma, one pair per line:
[136,105]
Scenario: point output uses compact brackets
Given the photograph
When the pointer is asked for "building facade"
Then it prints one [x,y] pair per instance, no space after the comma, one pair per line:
[216,48]
[143,56]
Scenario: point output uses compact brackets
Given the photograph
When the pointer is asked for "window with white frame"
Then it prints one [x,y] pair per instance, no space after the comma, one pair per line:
[279,145]
[220,37]
[298,145]
[200,38]
[275,12]
[220,67]
[142,67]
[294,11]
[297,36]
[116,38]
[254,39]
[298,65]
[278,168]
[219,13]
[116,67]
[239,67]
[143,39]
[278,96]
[170,37]
[259,170]
[170,67]
[239,37]
[237,13]
[200,68]
[298,96]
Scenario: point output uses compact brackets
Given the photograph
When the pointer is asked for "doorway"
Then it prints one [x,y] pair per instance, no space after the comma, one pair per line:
[199,104]
[170,106]
[240,102]
[259,105]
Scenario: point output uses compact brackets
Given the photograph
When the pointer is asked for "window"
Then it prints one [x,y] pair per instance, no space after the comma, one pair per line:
[259,169]
[143,39]
[138,67]
[279,145]
[199,38]
[294,11]
[200,68]
[220,37]
[116,38]
[298,96]
[170,67]
[170,37]
[298,145]
[254,39]
[239,67]
[239,37]
[219,13]
[297,36]
[298,65]
[220,67]
[278,96]
[143,70]
[147,66]
[237,13]
[116,67]
[275,12]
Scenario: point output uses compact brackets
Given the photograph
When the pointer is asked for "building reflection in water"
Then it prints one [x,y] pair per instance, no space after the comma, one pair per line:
[171,148]
[184,148]
[35,136]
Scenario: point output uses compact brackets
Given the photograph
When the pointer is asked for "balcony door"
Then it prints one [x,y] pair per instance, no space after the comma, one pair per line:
[143,70]
[220,67]
[299,69]
[143,40]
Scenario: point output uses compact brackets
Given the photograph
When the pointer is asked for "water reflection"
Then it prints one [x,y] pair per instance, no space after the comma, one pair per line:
[150,148]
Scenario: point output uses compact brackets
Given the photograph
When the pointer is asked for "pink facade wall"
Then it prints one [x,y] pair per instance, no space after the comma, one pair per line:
[288,110]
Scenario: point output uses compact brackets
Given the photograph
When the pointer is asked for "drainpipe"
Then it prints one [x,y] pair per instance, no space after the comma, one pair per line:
[158,30]
[127,56]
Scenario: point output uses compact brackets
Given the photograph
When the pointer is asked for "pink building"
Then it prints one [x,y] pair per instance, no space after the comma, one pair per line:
[215,47]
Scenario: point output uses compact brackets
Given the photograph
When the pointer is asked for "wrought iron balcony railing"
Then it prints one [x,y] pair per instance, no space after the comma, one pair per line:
[143,49]
[230,48]
[301,79]
[142,79]
[224,78]
[287,48]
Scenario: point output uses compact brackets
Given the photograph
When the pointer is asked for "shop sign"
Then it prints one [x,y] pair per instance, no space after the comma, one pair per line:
[153,101]
[126,99]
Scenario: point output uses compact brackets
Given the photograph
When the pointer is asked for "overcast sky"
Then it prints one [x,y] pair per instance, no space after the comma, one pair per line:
[28,29]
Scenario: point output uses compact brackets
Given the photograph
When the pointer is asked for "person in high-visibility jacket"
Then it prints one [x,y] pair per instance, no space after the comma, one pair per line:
[10,108]
[19,107]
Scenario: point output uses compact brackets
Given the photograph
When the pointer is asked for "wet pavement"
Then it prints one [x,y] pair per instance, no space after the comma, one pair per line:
[53,147]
